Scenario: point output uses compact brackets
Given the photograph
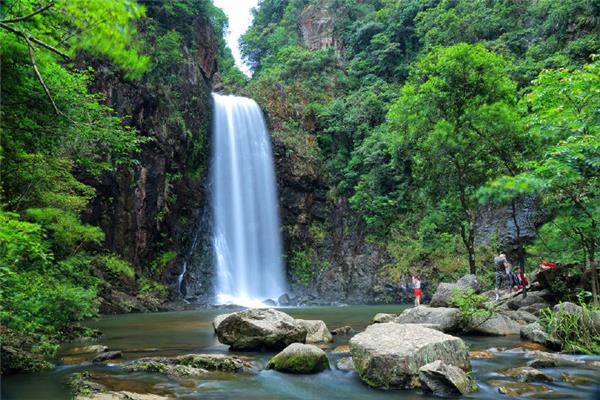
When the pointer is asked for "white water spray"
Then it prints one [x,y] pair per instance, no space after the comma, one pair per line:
[247,238]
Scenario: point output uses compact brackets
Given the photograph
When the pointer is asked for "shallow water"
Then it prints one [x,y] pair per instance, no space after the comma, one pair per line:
[173,333]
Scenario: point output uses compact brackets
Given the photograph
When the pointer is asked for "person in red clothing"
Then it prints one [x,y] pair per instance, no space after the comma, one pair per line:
[416,280]
[546,265]
[523,280]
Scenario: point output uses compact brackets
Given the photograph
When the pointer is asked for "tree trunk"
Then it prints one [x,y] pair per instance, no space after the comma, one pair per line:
[594,271]
[520,247]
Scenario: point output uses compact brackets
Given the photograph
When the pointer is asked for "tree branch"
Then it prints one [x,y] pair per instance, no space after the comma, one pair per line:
[39,76]
[38,11]
[34,40]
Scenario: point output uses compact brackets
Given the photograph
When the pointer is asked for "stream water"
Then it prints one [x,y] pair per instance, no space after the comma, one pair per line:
[174,333]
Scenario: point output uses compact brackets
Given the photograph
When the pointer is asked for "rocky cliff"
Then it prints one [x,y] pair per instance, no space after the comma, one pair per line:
[150,210]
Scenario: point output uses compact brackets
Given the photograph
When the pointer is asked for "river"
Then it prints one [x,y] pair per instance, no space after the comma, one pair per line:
[174,333]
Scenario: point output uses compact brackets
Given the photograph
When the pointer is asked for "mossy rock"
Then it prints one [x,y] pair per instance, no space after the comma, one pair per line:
[300,358]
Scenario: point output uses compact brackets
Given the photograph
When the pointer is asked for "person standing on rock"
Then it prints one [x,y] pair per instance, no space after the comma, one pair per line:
[500,261]
[416,280]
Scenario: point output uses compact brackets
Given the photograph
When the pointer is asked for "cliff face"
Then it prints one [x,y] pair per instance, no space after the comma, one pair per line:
[148,210]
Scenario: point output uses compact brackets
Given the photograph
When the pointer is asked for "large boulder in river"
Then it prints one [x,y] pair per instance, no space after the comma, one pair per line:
[444,292]
[383,317]
[218,319]
[516,302]
[498,324]
[445,380]
[389,355]
[258,329]
[447,318]
[536,333]
[299,358]
[316,331]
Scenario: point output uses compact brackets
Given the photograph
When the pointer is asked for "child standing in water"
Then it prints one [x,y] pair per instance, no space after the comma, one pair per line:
[416,280]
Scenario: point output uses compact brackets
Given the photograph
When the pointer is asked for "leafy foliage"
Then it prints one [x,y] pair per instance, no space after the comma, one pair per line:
[472,307]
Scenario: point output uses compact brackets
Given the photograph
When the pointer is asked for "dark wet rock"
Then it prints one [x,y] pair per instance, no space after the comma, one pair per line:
[496,325]
[445,380]
[382,317]
[527,374]
[345,364]
[299,358]
[107,355]
[389,355]
[447,318]
[536,333]
[445,291]
[576,380]
[284,300]
[343,330]
[258,329]
[316,331]
[541,363]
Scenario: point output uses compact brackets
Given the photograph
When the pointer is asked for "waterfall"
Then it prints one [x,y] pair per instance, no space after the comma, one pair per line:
[246,230]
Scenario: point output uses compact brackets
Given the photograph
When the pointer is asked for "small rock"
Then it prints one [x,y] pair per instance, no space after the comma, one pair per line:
[481,354]
[593,363]
[576,380]
[95,348]
[316,331]
[299,358]
[344,348]
[519,389]
[533,346]
[382,317]
[445,380]
[171,370]
[345,364]
[541,363]
[536,333]
[527,374]
[107,355]
[343,330]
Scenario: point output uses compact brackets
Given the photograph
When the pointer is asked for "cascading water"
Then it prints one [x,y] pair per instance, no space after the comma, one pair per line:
[246,226]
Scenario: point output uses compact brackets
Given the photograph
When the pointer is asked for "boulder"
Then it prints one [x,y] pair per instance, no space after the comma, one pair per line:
[382,317]
[536,333]
[447,318]
[567,308]
[527,374]
[171,370]
[497,325]
[107,355]
[218,319]
[284,300]
[517,301]
[345,364]
[445,380]
[535,308]
[522,317]
[343,330]
[389,355]
[299,358]
[258,329]
[316,331]
[444,292]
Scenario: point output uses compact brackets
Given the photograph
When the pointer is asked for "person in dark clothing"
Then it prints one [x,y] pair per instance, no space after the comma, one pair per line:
[512,280]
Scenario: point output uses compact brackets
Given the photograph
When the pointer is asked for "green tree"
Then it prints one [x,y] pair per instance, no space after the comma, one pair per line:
[458,116]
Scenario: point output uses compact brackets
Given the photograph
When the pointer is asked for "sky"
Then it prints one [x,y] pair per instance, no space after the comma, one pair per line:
[240,17]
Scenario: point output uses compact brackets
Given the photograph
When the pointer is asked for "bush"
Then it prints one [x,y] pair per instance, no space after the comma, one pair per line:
[471,306]
[575,331]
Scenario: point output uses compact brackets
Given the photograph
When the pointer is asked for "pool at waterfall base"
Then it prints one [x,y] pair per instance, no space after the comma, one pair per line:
[176,333]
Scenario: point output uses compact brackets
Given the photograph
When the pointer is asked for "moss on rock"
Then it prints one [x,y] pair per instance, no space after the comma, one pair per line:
[300,358]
